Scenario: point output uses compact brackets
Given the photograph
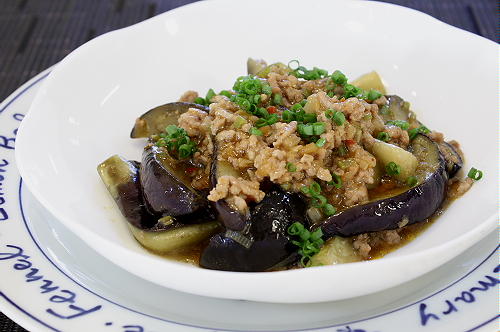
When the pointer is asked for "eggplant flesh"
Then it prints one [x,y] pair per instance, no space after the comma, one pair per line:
[166,187]
[397,109]
[265,244]
[155,121]
[414,205]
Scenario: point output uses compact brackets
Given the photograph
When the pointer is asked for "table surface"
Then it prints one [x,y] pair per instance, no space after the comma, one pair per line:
[35,34]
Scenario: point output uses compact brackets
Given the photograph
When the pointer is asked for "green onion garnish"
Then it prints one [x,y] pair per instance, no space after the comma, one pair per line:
[383,136]
[399,123]
[392,168]
[412,133]
[255,131]
[411,181]
[373,94]
[336,181]
[339,78]
[309,243]
[291,167]
[177,142]
[320,142]
[475,174]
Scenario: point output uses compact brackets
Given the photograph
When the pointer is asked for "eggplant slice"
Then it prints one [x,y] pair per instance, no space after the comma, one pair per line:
[414,205]
[121,178]
[265,244]
[166,187]
[155,121]
[227,216]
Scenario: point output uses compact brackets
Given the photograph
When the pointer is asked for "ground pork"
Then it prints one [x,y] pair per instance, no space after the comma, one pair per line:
[397,136]
[188,96]
[458,187]
[288,86]
[236,191]
[364,243]
[194,122]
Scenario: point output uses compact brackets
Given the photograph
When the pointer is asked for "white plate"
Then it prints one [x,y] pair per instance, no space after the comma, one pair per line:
[85,109]
[123,302]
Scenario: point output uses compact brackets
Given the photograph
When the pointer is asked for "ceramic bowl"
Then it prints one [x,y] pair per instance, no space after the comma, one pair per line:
[84,111]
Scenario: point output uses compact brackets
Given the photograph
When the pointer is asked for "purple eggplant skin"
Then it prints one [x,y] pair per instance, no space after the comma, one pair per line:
[268,242]
[155,121]
[121,178]
[452,158]
[166,188]
[414,205]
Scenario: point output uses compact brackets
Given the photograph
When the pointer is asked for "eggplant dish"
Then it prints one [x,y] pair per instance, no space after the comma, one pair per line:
[291,168]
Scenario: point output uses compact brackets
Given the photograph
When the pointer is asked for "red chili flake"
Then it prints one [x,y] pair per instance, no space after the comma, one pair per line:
[191,170]
[271,110]
[349,142]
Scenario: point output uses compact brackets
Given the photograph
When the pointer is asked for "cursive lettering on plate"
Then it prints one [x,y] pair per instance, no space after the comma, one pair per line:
[21,262]
[454,304]
[3,213]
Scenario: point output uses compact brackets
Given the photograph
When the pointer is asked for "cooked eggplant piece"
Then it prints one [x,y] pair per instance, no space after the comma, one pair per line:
[397,109]
[166,187]
[155,120]
[453,159]
[336,250]
[414,205]
[178,235]
[228,216]
[121,178]
[255,65]
[266,243]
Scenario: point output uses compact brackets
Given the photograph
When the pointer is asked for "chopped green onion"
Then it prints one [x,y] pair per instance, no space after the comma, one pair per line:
[177,142]
[315,188]
[320,142]
[338,117]
[373,94]
[199,101]
[475,174]
[296,107]
[296,64]
[277,99]
[305,190]
[309,243]
[210,95]
[309,117]
[392,168]
[318,128]
[291,167]
[329,210]
[399,123]
[351,91]
[240,121]
[412,133]
[339,78]
[411,181]
[226,93]
[383,136]
[287,116]
[336,181]
[255,131]
[318,201]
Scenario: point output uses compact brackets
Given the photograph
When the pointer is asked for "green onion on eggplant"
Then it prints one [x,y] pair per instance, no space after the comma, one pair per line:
[416,204]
